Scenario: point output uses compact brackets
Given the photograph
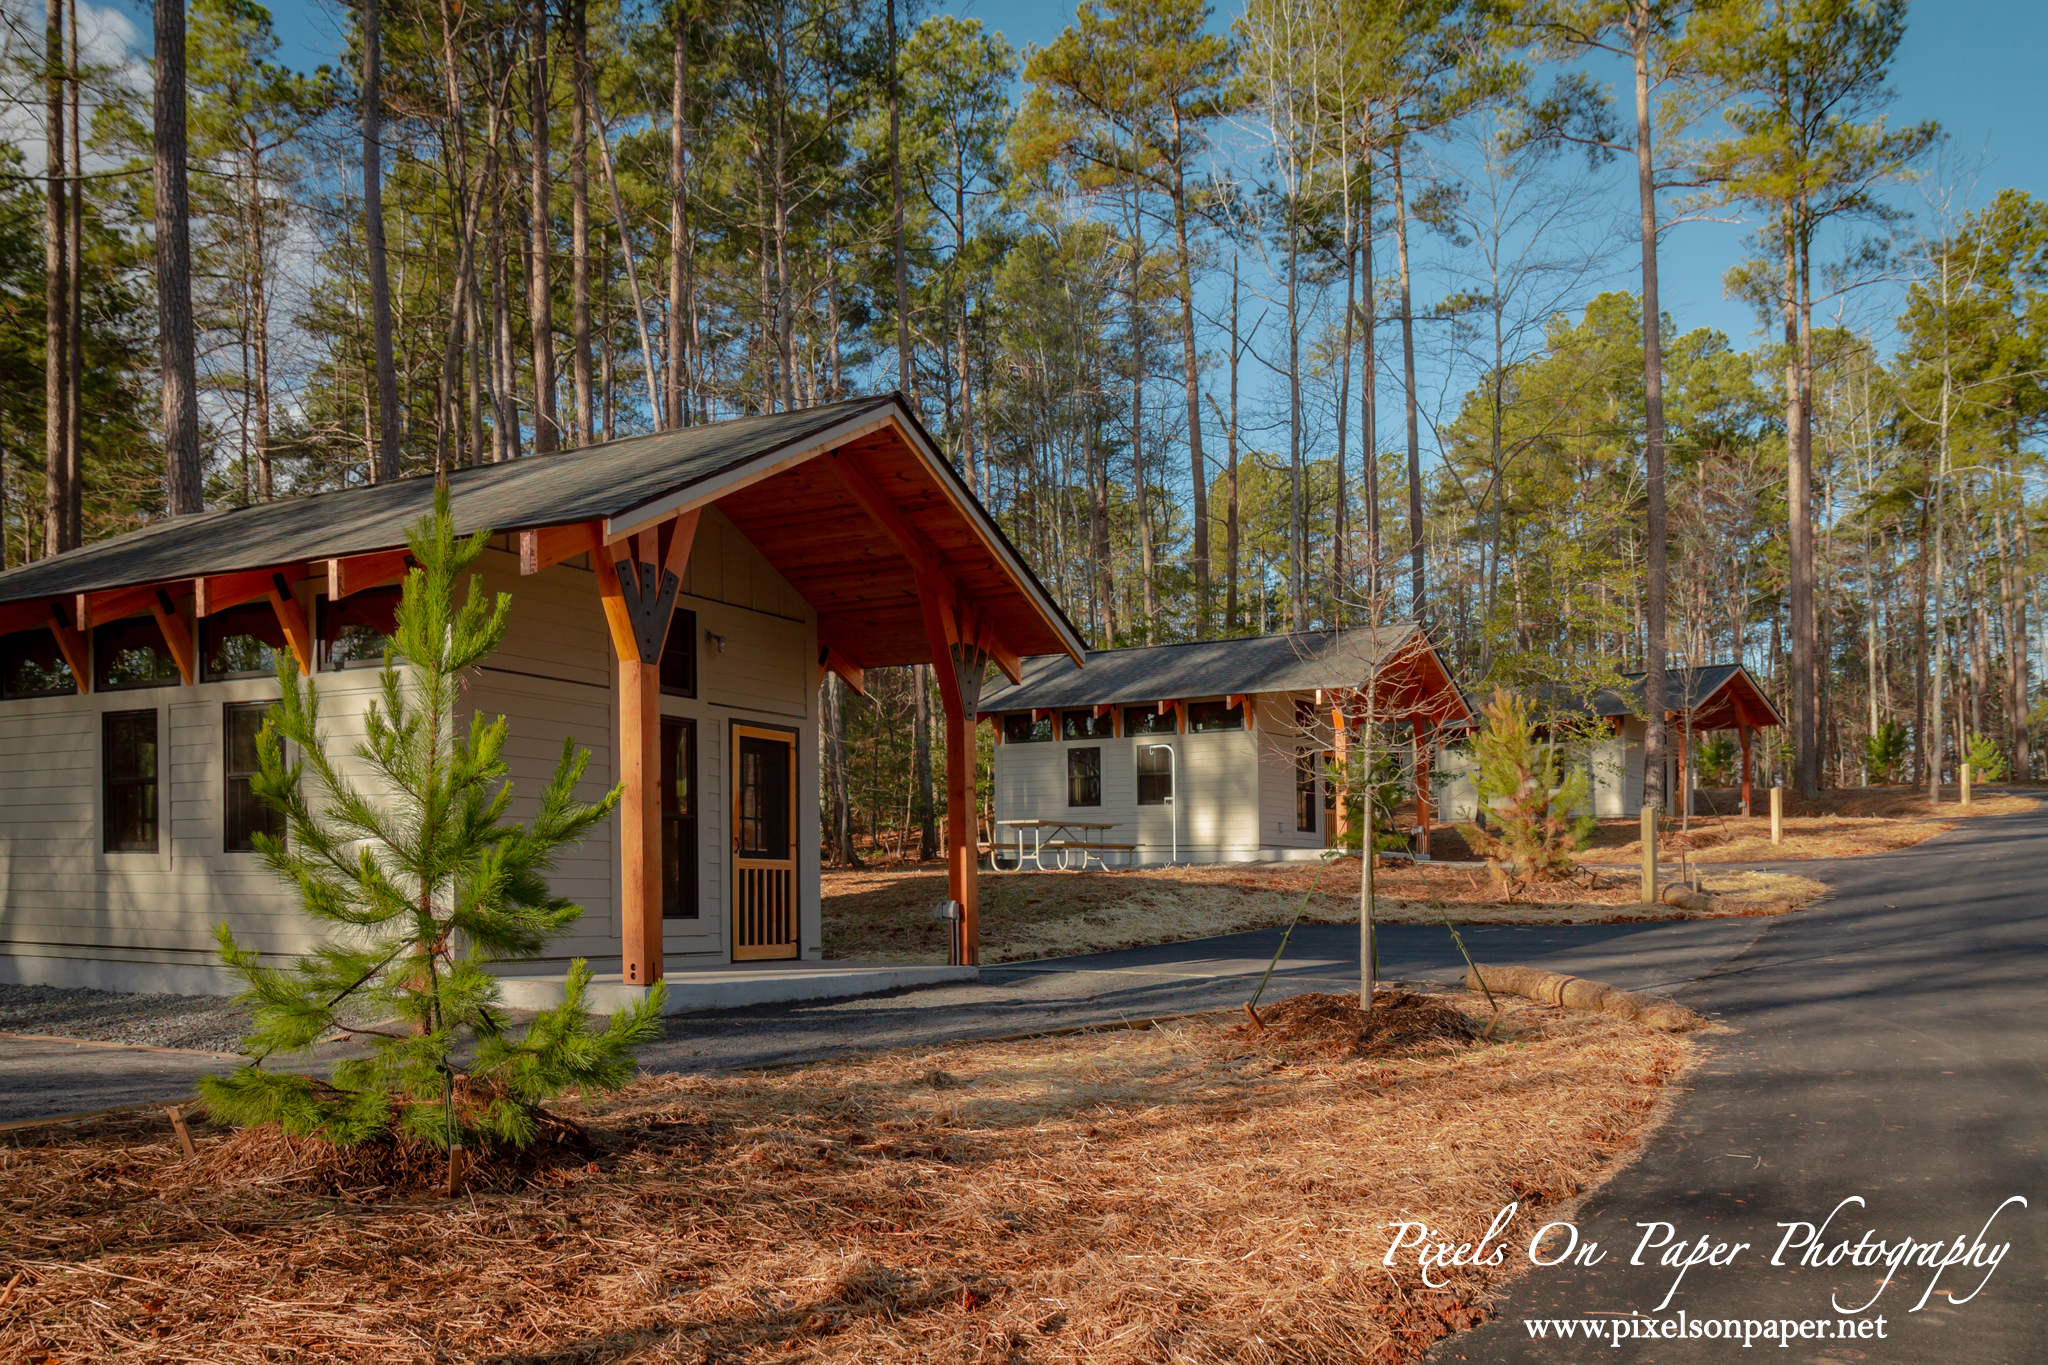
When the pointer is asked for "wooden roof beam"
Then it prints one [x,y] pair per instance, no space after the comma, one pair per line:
[218,592]
[544,548]
[71,643]
[357,573]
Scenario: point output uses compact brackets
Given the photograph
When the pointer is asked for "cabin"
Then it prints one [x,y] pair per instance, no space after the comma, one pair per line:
[1212,751]
[1698,703]
[677,599]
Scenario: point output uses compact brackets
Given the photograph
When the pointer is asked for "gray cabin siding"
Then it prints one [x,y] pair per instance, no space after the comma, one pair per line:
[71,914]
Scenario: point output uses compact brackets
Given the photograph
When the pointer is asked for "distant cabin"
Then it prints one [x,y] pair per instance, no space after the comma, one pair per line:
[1212,751]
[1699,702]
[676,600]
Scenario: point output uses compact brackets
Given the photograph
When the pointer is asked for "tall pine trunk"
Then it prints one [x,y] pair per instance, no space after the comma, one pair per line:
[56,306]
[386,464]
[184,475]
[1417,598]
[1191,371]
[1656,568]
[579,218]
[539,292]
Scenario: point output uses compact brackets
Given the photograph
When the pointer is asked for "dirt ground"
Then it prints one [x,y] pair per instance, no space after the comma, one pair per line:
[1842,824]
[882,916]
[1195,1192]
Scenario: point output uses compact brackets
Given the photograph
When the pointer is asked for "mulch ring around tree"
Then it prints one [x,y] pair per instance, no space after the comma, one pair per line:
[1334,1027]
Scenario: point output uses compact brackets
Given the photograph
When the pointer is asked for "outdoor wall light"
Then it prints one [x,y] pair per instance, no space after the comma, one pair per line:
[715,640]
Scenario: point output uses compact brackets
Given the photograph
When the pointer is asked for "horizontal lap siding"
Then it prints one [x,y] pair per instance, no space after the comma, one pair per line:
[539,714]
[1216,791]
[59,890]
[1279,743]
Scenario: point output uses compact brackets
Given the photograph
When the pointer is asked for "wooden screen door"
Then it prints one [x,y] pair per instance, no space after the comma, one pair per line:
[763,844]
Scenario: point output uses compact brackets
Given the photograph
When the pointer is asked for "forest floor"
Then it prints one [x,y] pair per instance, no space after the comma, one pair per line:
[884,914]
[1193,1191]
[1842,824]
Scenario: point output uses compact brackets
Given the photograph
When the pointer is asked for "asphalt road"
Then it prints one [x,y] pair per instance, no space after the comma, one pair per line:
[40,1078]
[1180,978]
[1893,1047]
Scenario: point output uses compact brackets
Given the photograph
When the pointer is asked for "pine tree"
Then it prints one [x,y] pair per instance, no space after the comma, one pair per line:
[425,881]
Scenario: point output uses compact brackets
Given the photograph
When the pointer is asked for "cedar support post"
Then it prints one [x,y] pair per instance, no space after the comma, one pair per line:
[960,662]
[1422,761]
[638,580]
[1343,747]
[1742,729]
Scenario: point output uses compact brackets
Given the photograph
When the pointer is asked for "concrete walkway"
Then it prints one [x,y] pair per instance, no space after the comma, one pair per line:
[1893,1046]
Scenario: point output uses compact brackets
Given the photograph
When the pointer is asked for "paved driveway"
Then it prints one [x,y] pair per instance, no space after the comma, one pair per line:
[1893,1047]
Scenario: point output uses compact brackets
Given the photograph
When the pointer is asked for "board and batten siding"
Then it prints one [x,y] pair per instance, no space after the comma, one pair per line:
[555,674]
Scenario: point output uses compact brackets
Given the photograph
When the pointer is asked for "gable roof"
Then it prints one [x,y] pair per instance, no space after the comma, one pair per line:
[599,481]
[1304,661]
[749,466]
[1711,692]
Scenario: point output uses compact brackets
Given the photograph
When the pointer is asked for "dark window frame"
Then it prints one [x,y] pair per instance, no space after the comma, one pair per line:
[12,648]
[1086,725]
[216,629]
[327,627]
[682,894]
[1084,775]
[1140,721]
[1307,809]
[679,655]
[138,629]
[113,788]
[242,813]
[1020,728]
[1201,711]
[1150,792]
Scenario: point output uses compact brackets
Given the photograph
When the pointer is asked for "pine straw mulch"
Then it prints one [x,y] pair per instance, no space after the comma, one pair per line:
[885,915]
[1203,1191]
[1841,824]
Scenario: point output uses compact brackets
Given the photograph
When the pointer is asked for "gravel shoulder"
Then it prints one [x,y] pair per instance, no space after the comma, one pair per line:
[199,1023]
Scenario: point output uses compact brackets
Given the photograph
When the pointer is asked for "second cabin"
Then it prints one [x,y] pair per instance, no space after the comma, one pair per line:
[1214,751]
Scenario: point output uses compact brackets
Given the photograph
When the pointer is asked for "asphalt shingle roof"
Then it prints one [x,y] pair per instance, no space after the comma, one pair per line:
[540,490]
[1297,662]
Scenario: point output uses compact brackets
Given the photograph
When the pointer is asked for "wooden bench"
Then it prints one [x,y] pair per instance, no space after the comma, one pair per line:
[1088,849]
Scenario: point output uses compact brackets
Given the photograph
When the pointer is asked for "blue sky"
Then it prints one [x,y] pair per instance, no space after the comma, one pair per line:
[1970,64]
[1973,65]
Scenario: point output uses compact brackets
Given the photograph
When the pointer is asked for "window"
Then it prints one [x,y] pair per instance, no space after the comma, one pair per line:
[678,815]
[355,632]
[131,653]
[1019,728]
[1084,777]
[31,665]
[243,815]
[1206,716]
[1146,720]
[1084,725]
[764,798]
[1155,774]
[1305,791]
[679,657]
[1305,713]
[242,642]
[128,760]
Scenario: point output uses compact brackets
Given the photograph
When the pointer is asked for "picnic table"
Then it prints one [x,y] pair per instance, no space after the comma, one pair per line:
[1064,838]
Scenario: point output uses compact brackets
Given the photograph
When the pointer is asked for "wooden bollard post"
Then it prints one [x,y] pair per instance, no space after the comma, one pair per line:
[1777,815]
[1649,854]
[177,1115]
[1965,777]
